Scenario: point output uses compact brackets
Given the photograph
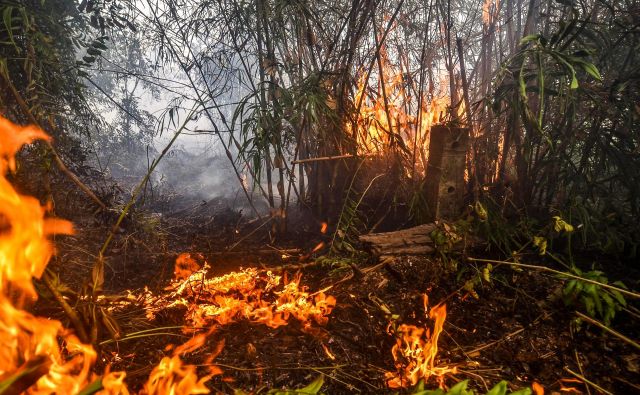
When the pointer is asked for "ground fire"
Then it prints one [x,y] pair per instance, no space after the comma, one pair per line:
[42,356]
[263,298]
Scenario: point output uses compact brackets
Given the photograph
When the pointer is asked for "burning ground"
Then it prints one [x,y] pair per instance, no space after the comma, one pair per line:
[162,320]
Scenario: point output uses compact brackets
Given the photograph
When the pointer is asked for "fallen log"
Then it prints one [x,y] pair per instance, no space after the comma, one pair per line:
[416,241]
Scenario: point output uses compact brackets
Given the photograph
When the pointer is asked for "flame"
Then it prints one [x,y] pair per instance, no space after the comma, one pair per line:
[171,376]
[38,355]
[30,342]
[185,266]
[537,388]
[565,385]
[415,352]
[245,294]
[328,352]
[490,11]
[323,228]
[400,116]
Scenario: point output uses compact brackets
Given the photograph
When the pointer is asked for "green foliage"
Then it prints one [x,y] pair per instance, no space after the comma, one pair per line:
[338,262]
[37,56]
[596,300]
[501,232]
[42,79]
[461,389]
[569,99]
[348,226]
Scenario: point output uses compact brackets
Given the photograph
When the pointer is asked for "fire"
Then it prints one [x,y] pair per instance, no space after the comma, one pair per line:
[537,388]
[245,294]
[490,11]
[566,385]
[399,120]
[171,376]
[38,355]
[415,352]
[31,343]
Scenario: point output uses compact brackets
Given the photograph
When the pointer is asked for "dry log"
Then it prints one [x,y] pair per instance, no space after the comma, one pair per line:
[411,241]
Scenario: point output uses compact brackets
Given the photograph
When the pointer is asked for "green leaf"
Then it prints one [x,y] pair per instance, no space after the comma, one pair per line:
[589,306]
[529,38]
[608,300]
[499,389]
[591,69]
[460,389]
[569,288]
[92,388]
[7,18]
[618,296]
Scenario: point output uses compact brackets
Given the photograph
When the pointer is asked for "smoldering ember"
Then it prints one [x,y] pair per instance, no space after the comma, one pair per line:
[435,197]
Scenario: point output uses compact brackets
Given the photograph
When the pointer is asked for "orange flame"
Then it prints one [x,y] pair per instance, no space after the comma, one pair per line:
[490,11]
[537,388]
[38,355]
[171,376]
[415,352]
[380,122]
[565,385]
[244,294]
[29,341]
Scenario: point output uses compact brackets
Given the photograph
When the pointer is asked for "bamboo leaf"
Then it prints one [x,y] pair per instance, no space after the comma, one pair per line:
[529,38]
[7,18]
